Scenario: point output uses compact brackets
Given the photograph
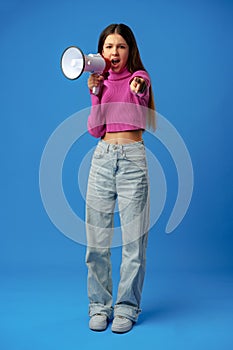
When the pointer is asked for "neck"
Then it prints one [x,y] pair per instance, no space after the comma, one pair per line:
[119,75]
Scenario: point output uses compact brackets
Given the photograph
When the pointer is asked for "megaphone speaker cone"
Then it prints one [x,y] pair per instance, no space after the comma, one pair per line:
[72,62]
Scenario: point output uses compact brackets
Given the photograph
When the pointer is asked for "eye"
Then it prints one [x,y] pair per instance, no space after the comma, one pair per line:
[108,47]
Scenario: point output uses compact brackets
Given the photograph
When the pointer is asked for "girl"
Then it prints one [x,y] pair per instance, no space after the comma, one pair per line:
[118,117]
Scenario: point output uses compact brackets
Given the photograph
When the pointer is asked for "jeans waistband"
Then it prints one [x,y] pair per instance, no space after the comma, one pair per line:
[125,146]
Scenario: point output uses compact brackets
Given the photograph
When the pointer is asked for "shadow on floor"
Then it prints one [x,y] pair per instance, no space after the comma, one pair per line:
[163,310]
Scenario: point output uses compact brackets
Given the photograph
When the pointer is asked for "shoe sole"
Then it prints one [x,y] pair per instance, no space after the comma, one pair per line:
[98,330]
[121,330]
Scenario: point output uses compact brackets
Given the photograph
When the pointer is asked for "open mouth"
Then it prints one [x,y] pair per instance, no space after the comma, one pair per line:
[115,61]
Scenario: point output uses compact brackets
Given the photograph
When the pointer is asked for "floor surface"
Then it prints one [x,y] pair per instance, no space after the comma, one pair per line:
[48,310]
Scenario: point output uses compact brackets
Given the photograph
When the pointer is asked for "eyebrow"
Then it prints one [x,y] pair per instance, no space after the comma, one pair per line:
[117,44]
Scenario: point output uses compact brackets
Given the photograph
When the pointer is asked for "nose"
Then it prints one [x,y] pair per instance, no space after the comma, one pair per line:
[115,50]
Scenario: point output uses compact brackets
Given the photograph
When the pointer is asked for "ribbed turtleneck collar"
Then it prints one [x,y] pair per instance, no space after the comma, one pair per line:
[119,76]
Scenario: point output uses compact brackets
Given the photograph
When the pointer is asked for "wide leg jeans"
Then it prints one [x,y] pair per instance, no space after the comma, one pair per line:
[118,172]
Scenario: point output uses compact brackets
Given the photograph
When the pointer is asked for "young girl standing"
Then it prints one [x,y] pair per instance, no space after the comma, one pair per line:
[118,117]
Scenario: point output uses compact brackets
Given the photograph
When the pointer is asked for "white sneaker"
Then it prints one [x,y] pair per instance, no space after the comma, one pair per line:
[98,322]
[121,324]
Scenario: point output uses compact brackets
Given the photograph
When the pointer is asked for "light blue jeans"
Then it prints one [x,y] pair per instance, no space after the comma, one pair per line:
[118,172]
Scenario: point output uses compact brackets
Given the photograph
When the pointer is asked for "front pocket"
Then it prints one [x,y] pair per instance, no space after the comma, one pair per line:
[99,153]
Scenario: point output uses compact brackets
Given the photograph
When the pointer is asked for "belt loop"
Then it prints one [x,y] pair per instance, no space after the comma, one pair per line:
[123,151]
[108,148]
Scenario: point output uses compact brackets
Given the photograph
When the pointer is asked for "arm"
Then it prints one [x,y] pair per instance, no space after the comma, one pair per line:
[96,121]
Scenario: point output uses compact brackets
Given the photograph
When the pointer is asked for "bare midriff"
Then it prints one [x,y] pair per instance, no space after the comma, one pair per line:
[123,137]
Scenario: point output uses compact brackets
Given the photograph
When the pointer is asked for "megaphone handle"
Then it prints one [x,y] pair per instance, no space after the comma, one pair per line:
[95,90]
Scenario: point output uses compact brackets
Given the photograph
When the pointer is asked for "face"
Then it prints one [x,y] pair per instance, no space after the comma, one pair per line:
[116,50]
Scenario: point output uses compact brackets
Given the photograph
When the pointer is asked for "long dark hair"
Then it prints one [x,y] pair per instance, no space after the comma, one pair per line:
[134,62]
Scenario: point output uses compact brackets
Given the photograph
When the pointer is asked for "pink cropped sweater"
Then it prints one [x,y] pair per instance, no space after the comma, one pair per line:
[117,108]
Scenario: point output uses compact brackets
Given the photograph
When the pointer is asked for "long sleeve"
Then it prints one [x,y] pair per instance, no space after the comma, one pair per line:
[96,121]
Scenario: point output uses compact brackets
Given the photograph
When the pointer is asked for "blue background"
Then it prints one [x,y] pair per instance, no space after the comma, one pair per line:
[187,48]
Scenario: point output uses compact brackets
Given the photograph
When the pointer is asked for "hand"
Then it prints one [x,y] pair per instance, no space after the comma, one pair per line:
[138,85]
[94,80]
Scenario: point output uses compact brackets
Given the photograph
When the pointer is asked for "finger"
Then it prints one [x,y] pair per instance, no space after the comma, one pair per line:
[137,80]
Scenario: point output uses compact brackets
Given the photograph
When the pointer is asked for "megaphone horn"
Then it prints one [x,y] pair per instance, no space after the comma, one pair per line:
[74,63]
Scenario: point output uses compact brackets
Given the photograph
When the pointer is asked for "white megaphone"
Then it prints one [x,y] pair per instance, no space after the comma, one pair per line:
[74,63]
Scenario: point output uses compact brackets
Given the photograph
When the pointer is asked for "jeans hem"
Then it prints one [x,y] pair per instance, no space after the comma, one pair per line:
[130,312]
[97,308]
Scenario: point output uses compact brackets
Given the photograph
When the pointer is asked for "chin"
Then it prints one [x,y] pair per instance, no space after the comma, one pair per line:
[117,70]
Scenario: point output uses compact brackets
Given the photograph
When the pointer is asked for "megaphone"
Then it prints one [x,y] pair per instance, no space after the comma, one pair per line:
[74,63]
